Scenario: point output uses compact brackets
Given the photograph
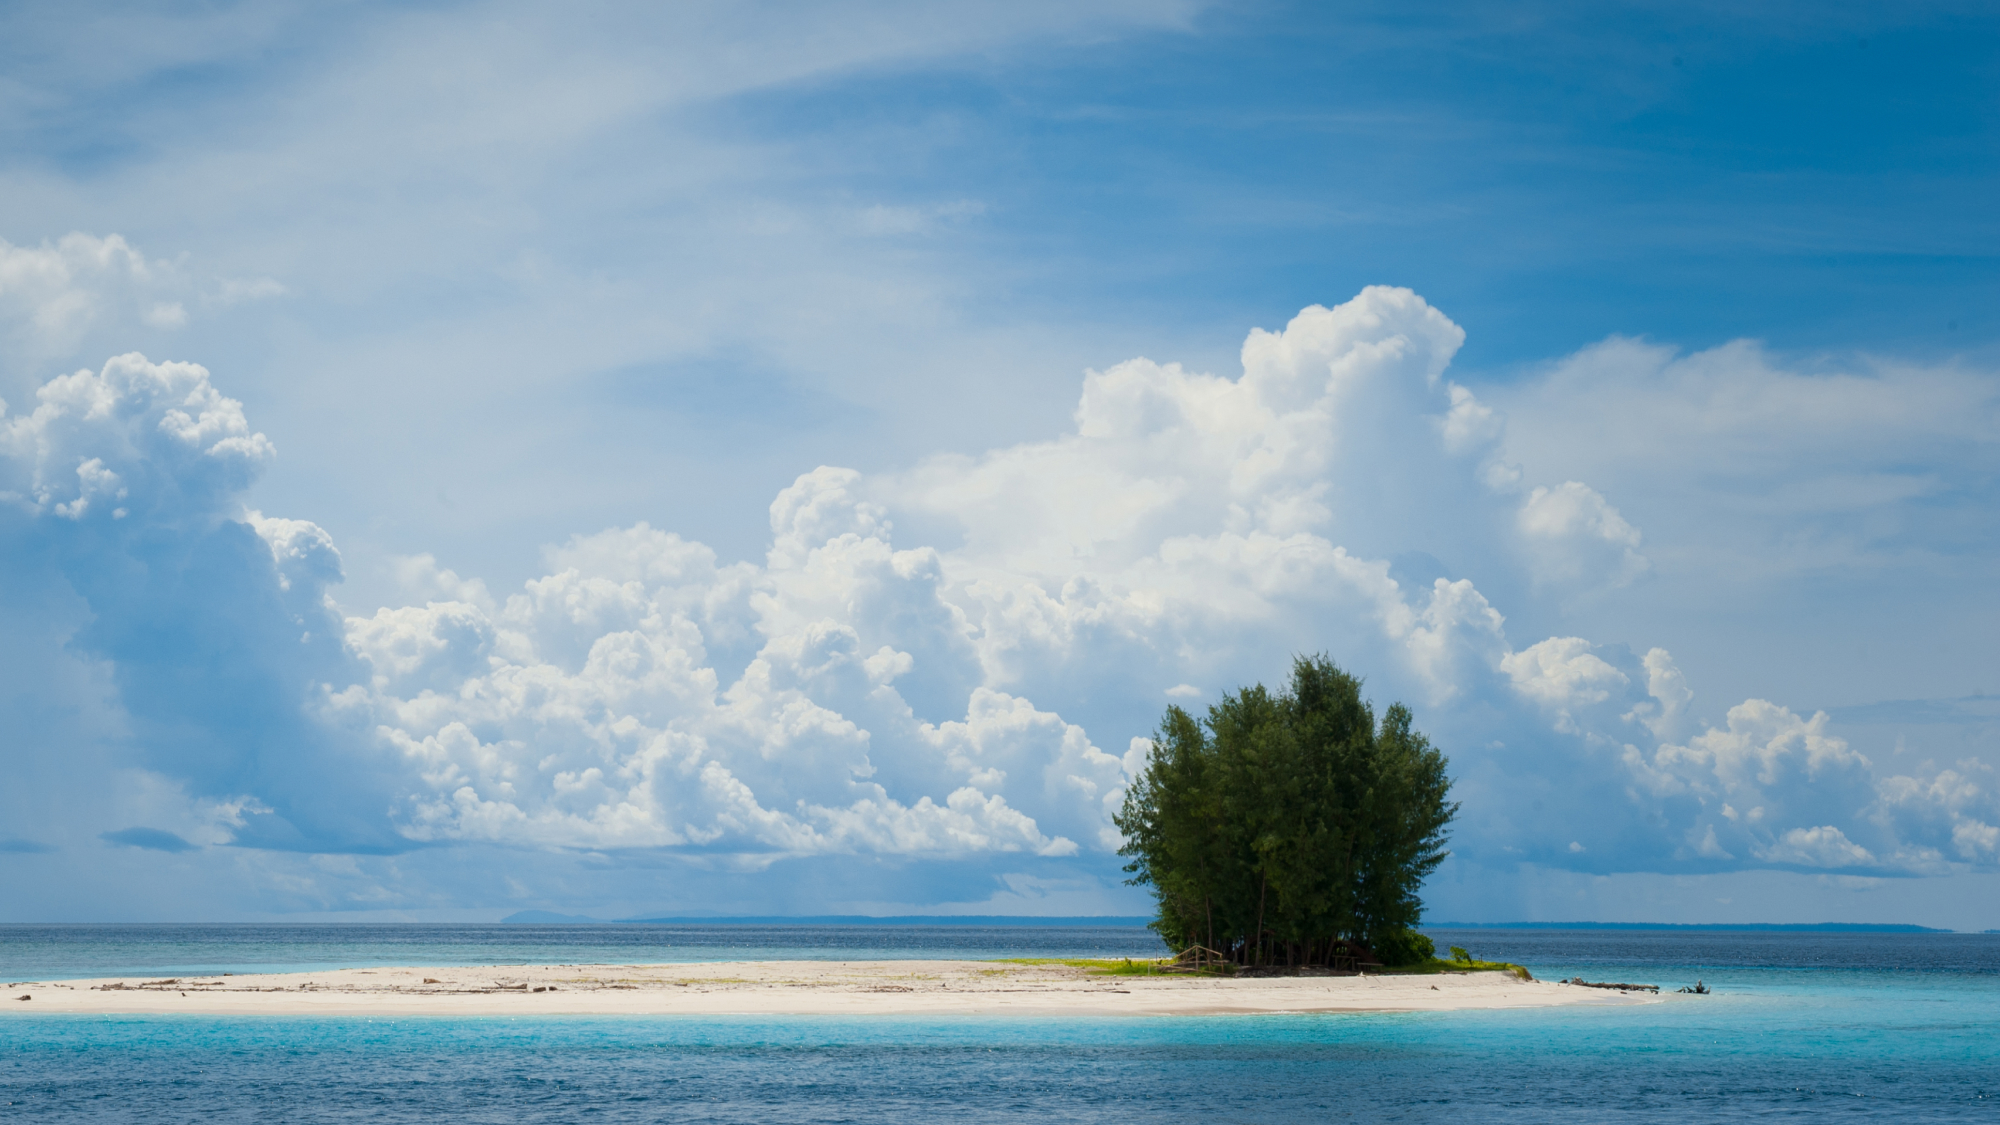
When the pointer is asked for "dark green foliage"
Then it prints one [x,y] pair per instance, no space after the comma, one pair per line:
[1404,947]
[1286,829]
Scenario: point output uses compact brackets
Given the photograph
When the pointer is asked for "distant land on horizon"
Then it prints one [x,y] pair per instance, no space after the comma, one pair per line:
[546,917]
[1704,927]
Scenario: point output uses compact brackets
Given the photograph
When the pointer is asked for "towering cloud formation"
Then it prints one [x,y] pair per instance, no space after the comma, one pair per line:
[857,693]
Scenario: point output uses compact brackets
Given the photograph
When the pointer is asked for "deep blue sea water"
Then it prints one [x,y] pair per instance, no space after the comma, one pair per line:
[1807,1027]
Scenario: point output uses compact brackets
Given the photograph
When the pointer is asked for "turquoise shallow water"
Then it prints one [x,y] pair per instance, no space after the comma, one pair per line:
[59,952]
[1802,1027]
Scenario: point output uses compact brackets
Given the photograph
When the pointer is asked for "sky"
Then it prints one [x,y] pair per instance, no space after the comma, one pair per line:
[782,459]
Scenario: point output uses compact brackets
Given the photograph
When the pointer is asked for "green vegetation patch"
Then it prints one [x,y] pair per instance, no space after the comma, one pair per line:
[1440,965]
[1108,967]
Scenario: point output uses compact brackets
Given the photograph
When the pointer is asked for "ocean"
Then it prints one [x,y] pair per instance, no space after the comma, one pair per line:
[1800,1026]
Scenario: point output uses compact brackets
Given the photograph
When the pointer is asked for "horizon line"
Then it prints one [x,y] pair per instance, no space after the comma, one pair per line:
[532,917]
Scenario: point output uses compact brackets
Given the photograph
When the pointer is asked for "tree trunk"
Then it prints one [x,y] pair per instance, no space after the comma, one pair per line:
[1263,889]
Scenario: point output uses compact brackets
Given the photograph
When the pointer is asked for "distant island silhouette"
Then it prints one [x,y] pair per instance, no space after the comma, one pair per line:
[549,918]
[545,917]
[1705,927]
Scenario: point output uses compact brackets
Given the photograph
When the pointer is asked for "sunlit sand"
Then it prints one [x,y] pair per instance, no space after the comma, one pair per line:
[808,988]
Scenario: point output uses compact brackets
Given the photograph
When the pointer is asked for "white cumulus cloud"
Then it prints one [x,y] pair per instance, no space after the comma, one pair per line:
[857,694]
[1574,536]
[135,434]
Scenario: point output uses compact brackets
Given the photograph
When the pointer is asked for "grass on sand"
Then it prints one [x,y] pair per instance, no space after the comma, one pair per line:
[1127,967]
[1440,965]
[1101,966]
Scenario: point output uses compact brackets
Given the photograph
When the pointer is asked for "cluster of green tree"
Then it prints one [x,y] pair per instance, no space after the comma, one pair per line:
[1289,829]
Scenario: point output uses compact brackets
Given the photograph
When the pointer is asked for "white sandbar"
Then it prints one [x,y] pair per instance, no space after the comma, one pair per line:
[814,988]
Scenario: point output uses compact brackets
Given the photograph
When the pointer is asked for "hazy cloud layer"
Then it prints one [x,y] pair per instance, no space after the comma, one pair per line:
[53,295]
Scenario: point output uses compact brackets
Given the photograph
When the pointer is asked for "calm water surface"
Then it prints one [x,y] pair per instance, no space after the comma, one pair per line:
[1802,1027]
[58,952]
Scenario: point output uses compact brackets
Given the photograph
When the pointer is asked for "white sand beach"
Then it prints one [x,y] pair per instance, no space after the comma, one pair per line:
[815,988]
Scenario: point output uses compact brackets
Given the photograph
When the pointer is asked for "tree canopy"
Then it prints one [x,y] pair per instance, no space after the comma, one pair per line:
[1286,829]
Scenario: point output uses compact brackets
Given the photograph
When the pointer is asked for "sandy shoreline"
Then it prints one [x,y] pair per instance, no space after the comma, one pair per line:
[755,988]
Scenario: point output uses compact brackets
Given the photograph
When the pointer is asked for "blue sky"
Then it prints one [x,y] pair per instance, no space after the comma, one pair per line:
[698,396]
